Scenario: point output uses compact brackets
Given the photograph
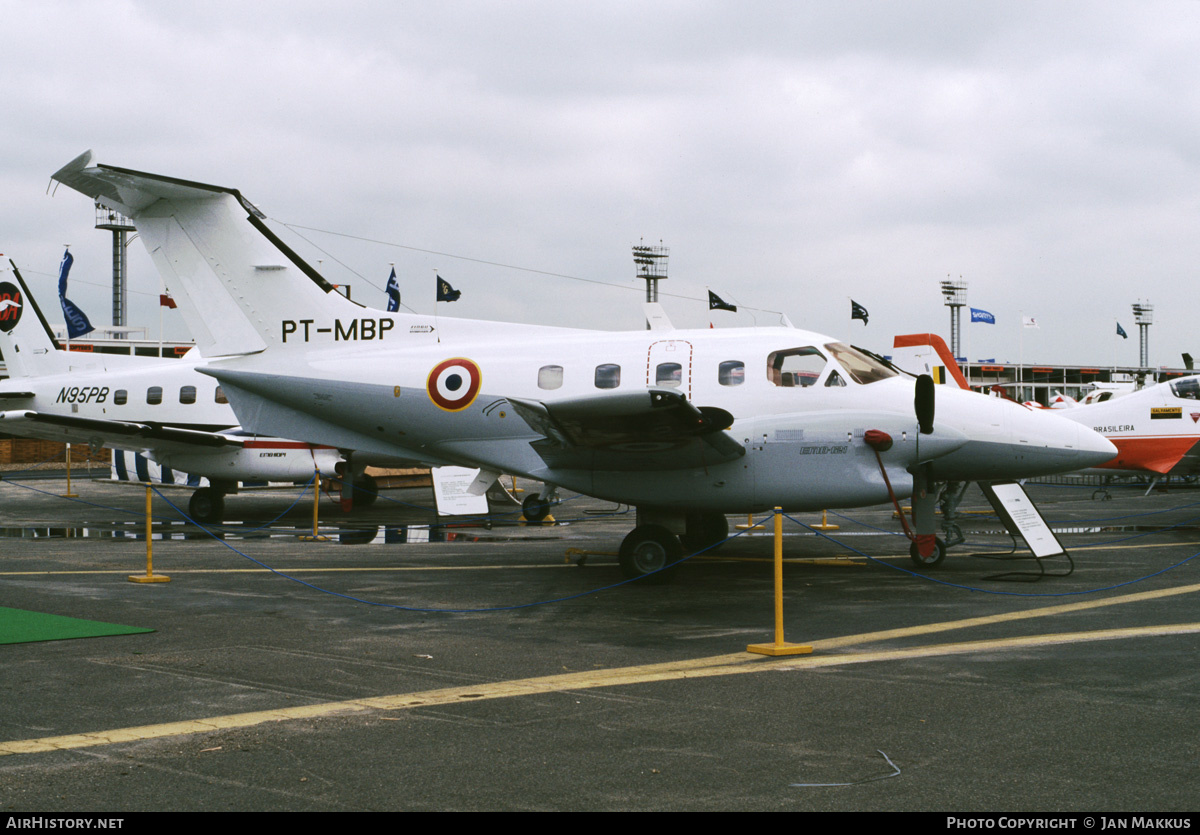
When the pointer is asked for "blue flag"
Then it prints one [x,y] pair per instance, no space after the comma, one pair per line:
[77,322]
[393,292]
[446,293]
[1121,331]
[978,315]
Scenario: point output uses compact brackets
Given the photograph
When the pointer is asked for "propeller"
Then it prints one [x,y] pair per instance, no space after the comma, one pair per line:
[924,501]
[923,403]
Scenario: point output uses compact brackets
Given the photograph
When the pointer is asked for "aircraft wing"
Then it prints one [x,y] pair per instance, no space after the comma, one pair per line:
[654,429]
[139,437]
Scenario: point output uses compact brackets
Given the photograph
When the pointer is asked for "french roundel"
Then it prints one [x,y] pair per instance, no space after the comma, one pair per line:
[453,384]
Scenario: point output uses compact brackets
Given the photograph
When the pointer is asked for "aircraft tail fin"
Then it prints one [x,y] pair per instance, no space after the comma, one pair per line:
[926,353]
[26,341]
[216,254]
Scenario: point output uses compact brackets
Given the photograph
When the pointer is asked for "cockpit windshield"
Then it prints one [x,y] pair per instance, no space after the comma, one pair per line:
[862,368]
[1188,388]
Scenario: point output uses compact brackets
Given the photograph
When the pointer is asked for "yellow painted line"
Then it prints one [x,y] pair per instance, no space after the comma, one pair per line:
[699,668]
[1005,617]
[367,569]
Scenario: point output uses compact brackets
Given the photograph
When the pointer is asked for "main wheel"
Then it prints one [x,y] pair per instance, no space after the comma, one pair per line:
[535,508]
[366,491]
[206,505]
[704,531]
[649,549]
[933,560]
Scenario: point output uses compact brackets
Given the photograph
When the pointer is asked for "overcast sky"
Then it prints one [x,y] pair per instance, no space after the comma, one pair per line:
[792,155]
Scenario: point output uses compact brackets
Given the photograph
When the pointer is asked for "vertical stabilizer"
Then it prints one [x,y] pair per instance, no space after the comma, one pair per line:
[26,341]
[217,256]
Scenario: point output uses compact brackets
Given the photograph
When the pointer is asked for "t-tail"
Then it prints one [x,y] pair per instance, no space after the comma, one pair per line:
[26,341]
[215,252]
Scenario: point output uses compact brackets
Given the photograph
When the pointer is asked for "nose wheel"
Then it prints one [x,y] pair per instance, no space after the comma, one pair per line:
[933,560]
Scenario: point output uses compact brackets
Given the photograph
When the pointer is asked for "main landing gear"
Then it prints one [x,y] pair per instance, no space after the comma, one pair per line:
[653,547]
[207,505]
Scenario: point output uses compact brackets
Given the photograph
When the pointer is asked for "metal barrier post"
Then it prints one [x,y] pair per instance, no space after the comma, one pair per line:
[780,647]
[150,576]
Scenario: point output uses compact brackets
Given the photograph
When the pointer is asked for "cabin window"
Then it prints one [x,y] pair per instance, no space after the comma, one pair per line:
[219,396]
[120,397]
[796,367]
[187,394]
[731,373]
[669,374]
[608,376]
[154,395]
[550,377]
[1187,388]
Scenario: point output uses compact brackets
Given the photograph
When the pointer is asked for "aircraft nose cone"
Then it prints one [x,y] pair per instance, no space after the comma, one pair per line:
[1060,444]
[1093,448]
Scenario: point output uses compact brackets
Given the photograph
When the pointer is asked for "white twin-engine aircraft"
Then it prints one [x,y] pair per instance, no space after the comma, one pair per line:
[687,425]
[163,409]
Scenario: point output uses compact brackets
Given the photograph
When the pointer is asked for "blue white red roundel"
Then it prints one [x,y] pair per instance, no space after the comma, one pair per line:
[453,384]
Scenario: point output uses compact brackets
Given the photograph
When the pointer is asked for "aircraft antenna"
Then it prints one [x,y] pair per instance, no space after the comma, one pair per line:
[651,263]
[120,226]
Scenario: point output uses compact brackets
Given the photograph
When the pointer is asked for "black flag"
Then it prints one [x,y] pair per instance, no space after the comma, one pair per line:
[446,293]
[857,311]
[715,302]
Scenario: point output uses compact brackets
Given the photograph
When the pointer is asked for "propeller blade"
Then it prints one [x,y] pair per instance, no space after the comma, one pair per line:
[923,403]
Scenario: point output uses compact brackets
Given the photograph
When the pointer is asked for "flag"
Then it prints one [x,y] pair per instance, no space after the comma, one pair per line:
[393,292]
[978,315]
[446,293]
[1030,322]
[1121,331]
[715,302]
[857,311]
[165,300]
[77,322]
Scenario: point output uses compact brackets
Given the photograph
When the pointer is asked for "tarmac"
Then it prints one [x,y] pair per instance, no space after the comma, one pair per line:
[493,671]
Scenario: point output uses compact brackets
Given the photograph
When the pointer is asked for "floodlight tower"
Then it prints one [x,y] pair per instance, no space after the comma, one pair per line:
[651,262]
[955,295]
[1143,315]
[120,226]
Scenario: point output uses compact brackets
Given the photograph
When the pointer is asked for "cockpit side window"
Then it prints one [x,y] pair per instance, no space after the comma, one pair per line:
[795,367]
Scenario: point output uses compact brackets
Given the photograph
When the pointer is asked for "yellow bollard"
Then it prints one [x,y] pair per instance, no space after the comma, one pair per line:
[825,526]
[150,576]
[69,494]
[750,524]
[780,647]
[315,536]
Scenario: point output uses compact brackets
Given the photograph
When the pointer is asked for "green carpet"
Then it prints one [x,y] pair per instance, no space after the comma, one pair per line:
[19,627]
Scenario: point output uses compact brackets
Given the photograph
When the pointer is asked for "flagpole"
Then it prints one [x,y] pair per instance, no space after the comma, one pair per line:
[1020,353]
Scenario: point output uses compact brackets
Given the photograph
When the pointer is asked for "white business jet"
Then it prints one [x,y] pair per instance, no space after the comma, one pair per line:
[162,408]
[686,425]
